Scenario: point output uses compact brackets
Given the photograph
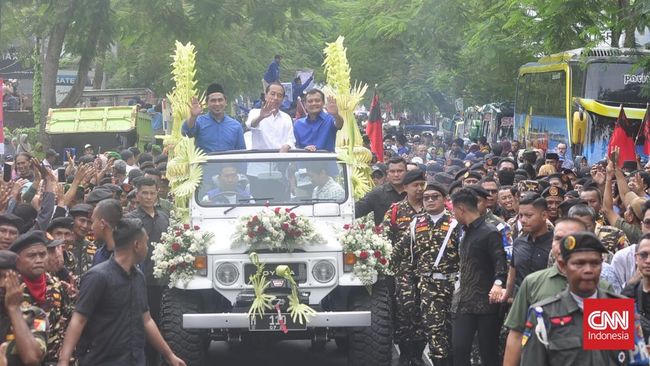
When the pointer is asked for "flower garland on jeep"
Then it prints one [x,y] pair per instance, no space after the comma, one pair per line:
[174,257]
[367,249]
[275,229]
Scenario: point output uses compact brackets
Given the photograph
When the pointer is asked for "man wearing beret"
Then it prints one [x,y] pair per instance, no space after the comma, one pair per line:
[42,289]
[9,229]
[82,251]
[432,244]
[553,196]
[555,322]
[23,325]
[61,229]
[409,335]
[214,131]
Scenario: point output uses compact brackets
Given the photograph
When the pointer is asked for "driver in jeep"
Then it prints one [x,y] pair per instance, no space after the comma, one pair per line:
[229,191]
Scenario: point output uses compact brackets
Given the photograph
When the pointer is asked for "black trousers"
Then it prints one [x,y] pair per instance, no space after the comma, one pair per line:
[154,295]
[464,328]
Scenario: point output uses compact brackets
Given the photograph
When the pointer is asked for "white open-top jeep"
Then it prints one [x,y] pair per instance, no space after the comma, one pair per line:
[214,304]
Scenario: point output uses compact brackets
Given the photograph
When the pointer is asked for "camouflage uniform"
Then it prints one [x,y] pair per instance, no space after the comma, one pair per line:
[614,239]
[407,318]
[79,258]
[36,320]
[436,283]
[58,308]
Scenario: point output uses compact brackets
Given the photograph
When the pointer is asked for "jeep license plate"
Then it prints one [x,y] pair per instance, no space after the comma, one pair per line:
[271,322]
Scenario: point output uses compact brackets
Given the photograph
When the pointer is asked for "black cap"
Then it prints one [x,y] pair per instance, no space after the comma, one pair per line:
[51,152]
[569,171]
[457,162]
[11,220]
[629,165]
[55,243]
[580,242]
[443,178]
[381,167]
[434,168]
[552,156]
[214,88]
[478,166]
[480,191]
[8,259]
[436,187]
[81,209]
[98,194]
[471,174]
[63,222]
[28,239]
[553,192]
[112,187]
[413,175]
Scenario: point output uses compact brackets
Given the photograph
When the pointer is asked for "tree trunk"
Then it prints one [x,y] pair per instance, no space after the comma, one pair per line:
[99,71]
[86,60]
[51,61]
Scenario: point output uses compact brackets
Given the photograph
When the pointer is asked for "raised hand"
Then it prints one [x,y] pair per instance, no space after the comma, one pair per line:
[267,110]
[195,107]
[331,107]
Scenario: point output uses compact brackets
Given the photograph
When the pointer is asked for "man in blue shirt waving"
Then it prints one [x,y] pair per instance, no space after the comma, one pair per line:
[317,131]
[214,131]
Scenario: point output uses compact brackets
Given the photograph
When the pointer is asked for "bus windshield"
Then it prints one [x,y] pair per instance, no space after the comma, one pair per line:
[273,181]
[616,83]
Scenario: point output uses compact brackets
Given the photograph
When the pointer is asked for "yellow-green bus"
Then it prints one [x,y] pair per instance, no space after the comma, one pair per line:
[575,97]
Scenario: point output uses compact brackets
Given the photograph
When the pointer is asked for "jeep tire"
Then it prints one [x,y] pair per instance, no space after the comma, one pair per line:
[190,345]
[373,345]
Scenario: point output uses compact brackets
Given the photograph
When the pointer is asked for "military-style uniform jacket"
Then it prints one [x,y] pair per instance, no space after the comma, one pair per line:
[397,219]
[614,239]
[563,321]
[36,320]
[58,308]
[79,258]
[429,237]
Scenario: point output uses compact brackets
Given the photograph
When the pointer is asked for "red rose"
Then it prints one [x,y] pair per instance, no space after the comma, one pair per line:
[176,247]
[196,227]
[285,226]
[254,218]
[292,215]
[383,261]
[287,210]
[363,255]
[277,210]
[251,234]
[346,227]
[362,226]
[377,254]
[186,226]
[378,229]
[260,230]
[298,233]
[171,269]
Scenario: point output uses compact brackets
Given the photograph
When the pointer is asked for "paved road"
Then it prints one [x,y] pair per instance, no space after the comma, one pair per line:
[286,353]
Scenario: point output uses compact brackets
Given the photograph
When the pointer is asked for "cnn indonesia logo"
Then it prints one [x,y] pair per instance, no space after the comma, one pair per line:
[608,324]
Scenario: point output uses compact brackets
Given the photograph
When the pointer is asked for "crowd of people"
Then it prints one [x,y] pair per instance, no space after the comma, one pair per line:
[481,232]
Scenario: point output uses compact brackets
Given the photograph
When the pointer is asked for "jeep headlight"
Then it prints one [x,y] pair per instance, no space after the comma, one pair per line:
[323,271]
[226,274]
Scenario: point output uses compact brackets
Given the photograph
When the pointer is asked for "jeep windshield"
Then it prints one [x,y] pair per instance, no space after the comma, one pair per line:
[255,182]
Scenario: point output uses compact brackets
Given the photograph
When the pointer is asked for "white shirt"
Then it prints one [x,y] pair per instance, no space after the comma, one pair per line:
[273,132]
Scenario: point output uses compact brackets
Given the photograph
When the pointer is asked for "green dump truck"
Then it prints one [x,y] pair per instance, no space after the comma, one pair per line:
[106,128]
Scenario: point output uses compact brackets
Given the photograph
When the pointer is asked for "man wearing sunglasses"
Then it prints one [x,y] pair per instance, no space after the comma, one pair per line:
[553,322]
[433,248]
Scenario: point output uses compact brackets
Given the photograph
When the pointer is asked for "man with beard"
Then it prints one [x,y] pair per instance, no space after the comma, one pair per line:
[271,128]
[553,196]
[22,324]
[317,130]
[42,289]
[81,253]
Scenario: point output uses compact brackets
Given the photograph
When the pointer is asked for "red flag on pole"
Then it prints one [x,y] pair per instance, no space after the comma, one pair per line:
[643,136]
[622,140]
[374,128]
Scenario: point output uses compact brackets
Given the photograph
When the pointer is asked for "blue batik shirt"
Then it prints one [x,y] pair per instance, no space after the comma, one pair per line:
[212,135]
[320,132]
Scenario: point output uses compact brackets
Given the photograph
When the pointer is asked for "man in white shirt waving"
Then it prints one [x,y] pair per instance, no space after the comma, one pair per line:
[270,127]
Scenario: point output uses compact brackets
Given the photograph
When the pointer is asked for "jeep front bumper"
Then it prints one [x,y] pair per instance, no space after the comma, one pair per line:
[240,320]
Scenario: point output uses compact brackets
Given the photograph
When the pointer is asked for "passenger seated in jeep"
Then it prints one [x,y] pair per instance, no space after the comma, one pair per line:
[228,191]
[326,188]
